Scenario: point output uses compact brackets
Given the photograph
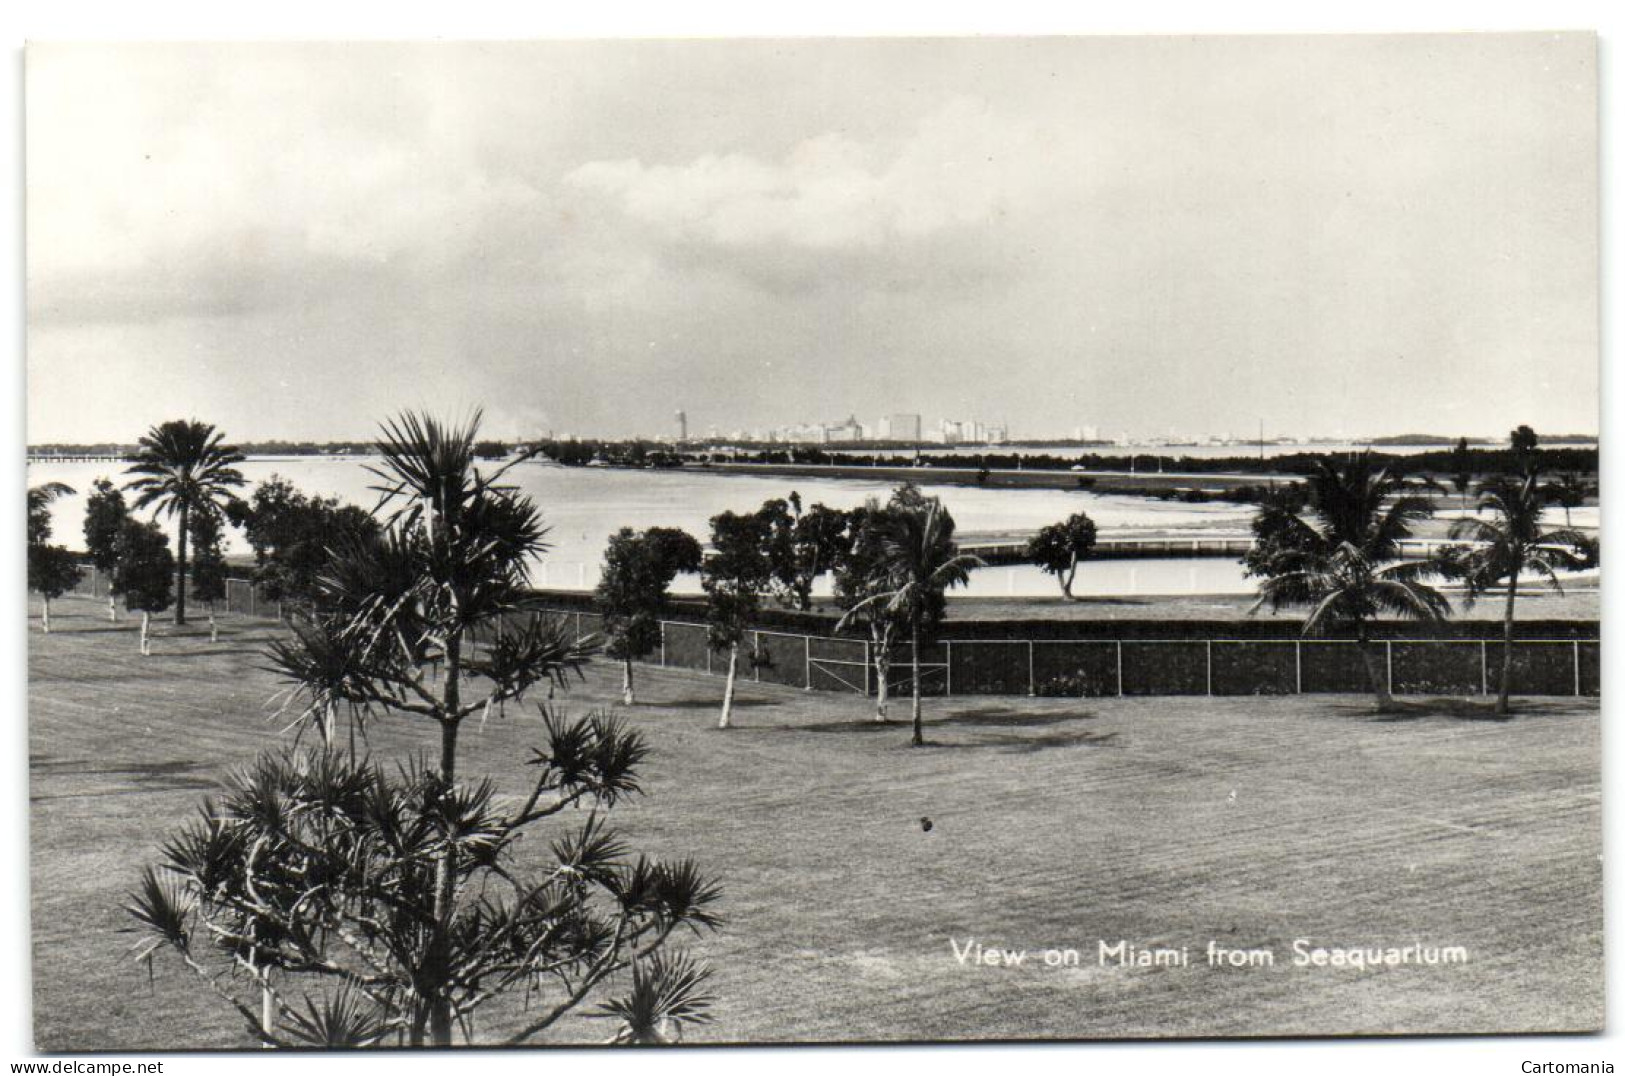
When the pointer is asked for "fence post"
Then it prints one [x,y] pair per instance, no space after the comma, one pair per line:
[1577,667]
[1119,668]
[1389,646]
[1297,663]
[1032,679]
[808,640]
[662,644]
[867,665]
[756,659]
[1210,666]
[1483,667]
[948,668]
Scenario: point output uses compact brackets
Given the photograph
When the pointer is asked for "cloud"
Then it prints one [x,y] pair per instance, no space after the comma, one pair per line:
[962,168]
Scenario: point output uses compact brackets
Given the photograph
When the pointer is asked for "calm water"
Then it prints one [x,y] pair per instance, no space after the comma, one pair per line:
[1201,452]
[585,506]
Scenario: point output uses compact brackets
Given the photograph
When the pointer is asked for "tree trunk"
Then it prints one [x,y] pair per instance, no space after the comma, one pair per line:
[1503,704]
[45,614]
[1375,671]
[628,697]
[882,683]
[919,736]
[112,607]
[180,573]
[214,630]
[728,689]
[1066,581]
[146,625]
[437,961]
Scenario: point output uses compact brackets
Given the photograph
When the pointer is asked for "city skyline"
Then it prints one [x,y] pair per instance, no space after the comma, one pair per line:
[1135,233]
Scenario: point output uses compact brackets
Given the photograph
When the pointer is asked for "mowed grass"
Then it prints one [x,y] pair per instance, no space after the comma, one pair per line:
[1055,823]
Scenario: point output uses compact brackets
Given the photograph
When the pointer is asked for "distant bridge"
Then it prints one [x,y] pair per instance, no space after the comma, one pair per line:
[81,457]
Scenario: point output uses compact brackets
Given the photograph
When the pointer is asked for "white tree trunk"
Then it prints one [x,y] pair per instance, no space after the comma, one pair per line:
[728,690]
[146,623]
[112,608]
[882,688]
[628,696]
[214,629]
[45,615]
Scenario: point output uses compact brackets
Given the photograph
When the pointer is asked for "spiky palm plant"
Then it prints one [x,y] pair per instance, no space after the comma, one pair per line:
[918,564]
[1509,545]
[184,466]
[407,884]
[1340,558]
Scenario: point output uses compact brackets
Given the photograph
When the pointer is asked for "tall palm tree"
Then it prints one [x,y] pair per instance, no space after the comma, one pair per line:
[1340,556]
[1512,544]
[918,564]
[184,466]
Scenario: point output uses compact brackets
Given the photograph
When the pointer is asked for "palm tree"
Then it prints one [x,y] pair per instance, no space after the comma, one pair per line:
[183,467]
[918,564]
[40,499]
[1512,544]
[1570,491]
[1340,558]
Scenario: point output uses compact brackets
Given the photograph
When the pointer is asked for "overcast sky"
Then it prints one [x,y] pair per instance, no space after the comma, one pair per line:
[1355,236]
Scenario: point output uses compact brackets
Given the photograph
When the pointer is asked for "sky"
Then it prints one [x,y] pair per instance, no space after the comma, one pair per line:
[1331,236]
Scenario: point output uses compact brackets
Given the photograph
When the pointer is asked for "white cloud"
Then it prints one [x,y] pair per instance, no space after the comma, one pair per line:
[961,167]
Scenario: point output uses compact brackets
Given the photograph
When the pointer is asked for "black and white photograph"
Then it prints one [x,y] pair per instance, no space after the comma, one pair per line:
[699,541]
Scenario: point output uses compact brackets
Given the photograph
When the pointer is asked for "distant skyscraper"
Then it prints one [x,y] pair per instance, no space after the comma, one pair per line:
[903,427]
[682,425]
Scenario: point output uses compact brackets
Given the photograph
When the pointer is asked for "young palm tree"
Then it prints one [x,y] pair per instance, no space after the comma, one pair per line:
[184,467]
[919,563]
[1512,544]
[1340,558]
[422,902]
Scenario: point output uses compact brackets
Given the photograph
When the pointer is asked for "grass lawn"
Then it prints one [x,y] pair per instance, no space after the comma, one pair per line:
[1056,823]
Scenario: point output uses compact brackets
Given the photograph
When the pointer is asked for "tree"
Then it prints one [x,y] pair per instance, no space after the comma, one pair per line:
[638,569]
[208,562]
[1059,547]
[918,563]
[1525,442]
[733,578]
[1509,545]
[182,466]
[52,570]
[1461,463]
[1570,491]
[40,499]
[105,515]
[144,573]
[1341,558]
[860,578]
[313,879]
[801,546]
[394,902]
[292,534]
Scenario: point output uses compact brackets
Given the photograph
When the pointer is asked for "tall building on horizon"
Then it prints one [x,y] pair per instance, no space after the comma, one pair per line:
[901,427]
[682,425]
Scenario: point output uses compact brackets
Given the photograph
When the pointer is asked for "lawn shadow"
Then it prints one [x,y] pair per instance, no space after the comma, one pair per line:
[1457,709]
[1015,744]
[706,704]
[1010,717]
[172,775]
